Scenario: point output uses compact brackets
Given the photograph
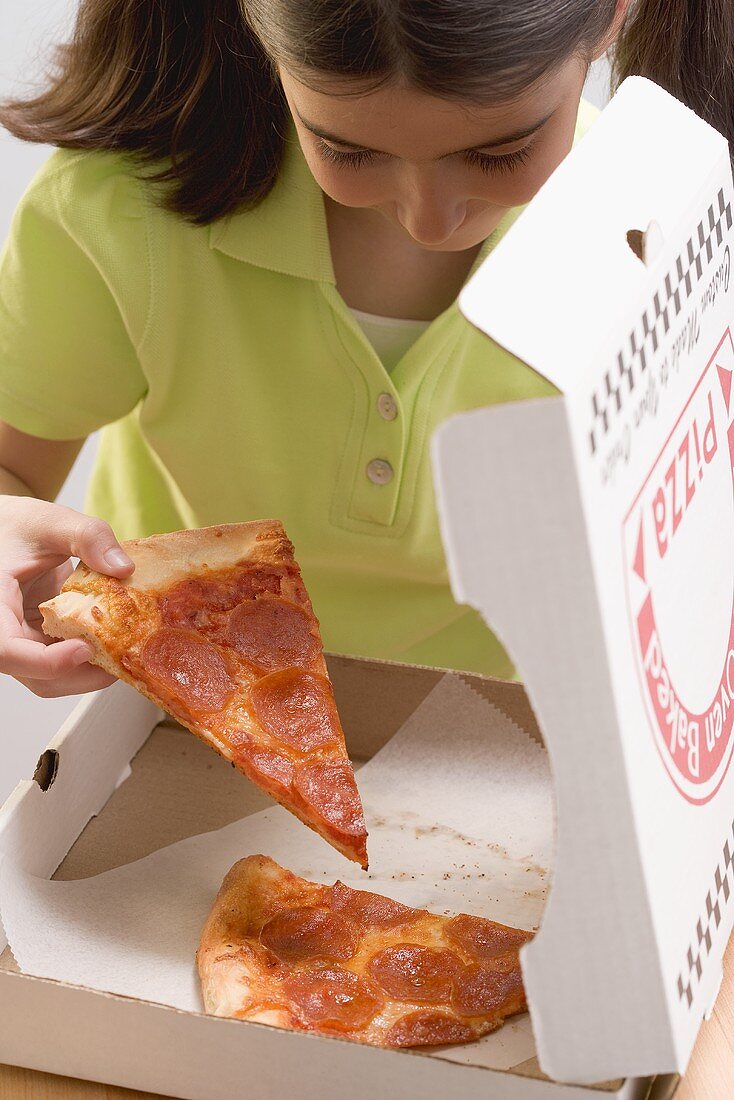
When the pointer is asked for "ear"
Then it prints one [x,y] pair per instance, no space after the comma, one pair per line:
[610,37]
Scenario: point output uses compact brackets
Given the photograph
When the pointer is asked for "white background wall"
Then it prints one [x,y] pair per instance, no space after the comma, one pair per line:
[28,29]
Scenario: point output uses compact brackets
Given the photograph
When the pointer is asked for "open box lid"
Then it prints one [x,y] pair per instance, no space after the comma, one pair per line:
[595,533]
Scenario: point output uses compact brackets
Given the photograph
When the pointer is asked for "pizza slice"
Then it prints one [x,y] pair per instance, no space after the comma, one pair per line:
[281,950]
[215,626]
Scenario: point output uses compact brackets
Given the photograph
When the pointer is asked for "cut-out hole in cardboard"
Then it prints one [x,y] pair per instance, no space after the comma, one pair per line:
[634,240]
[46,769]
[646,243]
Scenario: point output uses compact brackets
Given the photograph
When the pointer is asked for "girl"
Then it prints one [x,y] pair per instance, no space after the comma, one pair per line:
[243,266]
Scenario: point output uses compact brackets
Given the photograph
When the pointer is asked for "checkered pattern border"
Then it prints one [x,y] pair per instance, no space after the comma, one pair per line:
[632,359]
[716,901]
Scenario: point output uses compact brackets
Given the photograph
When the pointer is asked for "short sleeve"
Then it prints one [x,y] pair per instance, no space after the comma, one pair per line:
[72,300]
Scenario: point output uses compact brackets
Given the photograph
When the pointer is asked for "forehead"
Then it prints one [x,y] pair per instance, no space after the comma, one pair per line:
[405,121]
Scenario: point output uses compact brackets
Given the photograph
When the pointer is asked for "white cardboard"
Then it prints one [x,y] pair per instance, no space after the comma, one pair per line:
[38,827]
[595,533]
[69,1029]
[441,802]
[97,1036]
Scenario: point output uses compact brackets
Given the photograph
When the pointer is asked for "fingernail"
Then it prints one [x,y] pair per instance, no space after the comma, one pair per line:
[82,655]
[117,558]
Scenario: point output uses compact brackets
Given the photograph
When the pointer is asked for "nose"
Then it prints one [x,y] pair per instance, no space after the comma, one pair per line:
[430,209]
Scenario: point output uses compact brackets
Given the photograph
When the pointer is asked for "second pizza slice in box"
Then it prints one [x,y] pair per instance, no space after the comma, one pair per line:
[215,626]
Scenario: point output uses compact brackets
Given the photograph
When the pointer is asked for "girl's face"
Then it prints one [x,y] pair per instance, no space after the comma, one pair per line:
[442,172]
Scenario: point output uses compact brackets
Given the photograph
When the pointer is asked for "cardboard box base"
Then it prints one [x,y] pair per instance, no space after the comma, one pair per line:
[177,788]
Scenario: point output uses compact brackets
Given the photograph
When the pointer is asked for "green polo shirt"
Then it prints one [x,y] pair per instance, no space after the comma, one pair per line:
[231,383]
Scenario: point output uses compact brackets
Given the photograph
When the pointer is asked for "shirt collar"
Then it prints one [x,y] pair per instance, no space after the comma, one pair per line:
[287,231]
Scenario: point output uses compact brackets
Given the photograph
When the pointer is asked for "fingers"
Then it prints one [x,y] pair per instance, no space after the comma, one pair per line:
[81,680]
[24,658]
[49,669]
[23,651]
[53,530]
[43,587]
[36,540]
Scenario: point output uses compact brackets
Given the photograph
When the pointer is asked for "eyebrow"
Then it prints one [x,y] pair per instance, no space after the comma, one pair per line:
[506,139]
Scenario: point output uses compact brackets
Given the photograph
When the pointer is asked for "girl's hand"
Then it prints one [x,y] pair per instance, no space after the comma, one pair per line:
[37,539]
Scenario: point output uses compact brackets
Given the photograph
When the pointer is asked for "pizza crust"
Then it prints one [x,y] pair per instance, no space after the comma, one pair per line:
[69,615]
[226,983]
[168,558]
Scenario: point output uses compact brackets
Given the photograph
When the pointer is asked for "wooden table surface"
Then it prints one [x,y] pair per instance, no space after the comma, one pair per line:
[710,1074]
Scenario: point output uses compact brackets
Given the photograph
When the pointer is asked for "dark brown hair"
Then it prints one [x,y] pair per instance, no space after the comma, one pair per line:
[686,46]
[189,87]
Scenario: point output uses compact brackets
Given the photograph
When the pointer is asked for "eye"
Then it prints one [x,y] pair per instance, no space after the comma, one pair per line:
[499,163]
[345,158]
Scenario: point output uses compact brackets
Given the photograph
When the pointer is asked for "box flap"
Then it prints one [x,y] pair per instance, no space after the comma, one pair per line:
[544,296]
[595,533]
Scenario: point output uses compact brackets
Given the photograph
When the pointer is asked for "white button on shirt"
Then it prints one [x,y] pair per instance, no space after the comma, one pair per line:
[387,406]
[379,471]
[391,338]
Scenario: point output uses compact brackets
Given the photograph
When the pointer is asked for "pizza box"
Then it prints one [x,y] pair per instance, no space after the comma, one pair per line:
[120,780]
[594,530]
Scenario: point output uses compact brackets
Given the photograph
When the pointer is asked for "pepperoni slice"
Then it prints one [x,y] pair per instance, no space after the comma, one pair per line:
[195,602]
[425,1029]
[488,988]
[409,972]
[331,997]
[330,790]
[189,668]
[310,932]
[370,910]
[298,708]
[483,938]
[217,591]
[272,633]
[273,767]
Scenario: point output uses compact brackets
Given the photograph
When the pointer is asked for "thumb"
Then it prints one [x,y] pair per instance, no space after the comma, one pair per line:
[93,541]
[55,529]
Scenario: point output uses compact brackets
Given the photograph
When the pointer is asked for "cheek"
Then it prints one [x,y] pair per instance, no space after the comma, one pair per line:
[518,187]
[349,186]
[552,152]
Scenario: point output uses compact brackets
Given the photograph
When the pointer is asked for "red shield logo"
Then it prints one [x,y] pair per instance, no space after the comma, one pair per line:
[679,571]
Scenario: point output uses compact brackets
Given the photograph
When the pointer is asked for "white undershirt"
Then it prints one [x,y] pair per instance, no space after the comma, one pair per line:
[390,336]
